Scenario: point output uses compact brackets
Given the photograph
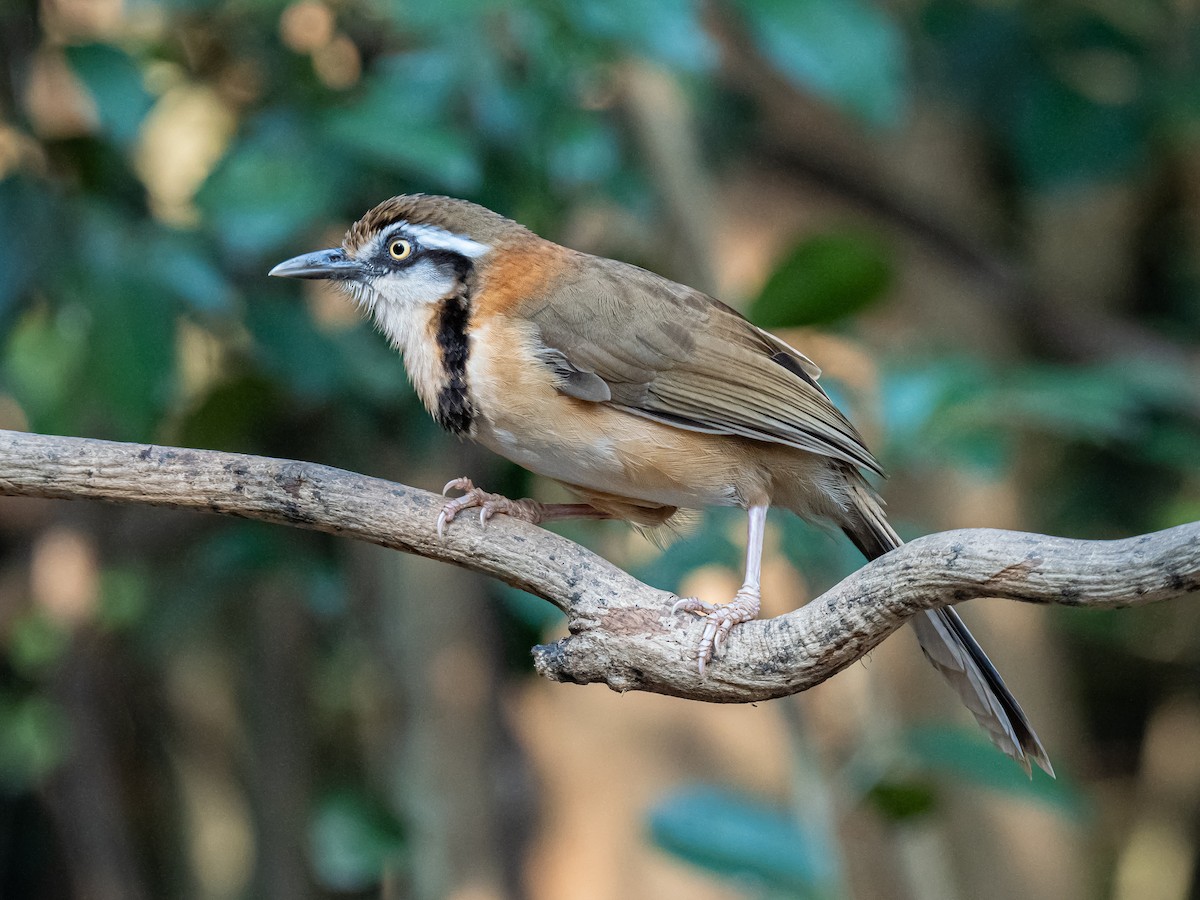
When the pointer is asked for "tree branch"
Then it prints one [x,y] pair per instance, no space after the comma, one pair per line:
[622,632]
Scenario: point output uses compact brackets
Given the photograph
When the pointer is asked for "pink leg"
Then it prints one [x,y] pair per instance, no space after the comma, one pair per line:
[526,510]
[720,620]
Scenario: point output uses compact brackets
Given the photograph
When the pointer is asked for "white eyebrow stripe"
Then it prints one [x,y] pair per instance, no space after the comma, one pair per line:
[440,239]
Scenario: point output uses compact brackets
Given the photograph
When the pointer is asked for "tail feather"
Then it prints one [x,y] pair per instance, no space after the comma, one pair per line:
[951,648]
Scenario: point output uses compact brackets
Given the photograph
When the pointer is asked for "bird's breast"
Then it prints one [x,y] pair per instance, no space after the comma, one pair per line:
[433,339]
[522,416]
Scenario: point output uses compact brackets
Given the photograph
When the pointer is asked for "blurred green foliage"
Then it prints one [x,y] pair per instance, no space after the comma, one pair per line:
[109,296]
[352,840]
[745,839]
[825,278]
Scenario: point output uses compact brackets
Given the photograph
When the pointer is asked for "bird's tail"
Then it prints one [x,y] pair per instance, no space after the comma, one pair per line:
[951,648]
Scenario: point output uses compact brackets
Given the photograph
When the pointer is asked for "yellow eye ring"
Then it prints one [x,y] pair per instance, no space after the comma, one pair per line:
[399,249]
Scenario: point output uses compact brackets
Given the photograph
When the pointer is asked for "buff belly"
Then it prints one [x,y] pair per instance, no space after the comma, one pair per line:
[522,416]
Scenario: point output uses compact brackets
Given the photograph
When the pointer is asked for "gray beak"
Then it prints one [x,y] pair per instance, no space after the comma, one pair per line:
[321,264]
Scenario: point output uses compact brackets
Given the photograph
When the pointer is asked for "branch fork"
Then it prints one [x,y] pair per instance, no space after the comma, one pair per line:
[622,632]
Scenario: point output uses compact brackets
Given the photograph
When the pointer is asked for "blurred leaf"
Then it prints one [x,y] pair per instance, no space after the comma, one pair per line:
[826,277]
[1012,73]
[324,590]
[233,416]
[293,350]
[446,17]
[983,49]
[737,836]
[115,82]
[351,838]
[36,644]
[956,408]
[369,368]
[41,364]
[130,359]
[241,553]
[848,51]
[274,185]
[709,544]
[1062,138]
[1172,443]
[188,271]
[669,31]
[210,575]
[968,755]
[586,152]
[27,222]
[124,596]
[405,119]
[901,800]
[822,554]
[33,740]
[920,426]
[536,613]
[1094,403]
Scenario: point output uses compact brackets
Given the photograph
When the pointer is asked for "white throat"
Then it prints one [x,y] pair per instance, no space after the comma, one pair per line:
[399,300]
[403,305]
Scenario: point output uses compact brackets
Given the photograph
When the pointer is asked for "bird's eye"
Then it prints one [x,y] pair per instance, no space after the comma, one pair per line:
[399,249]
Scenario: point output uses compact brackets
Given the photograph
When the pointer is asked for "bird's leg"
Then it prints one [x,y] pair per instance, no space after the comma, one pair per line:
[719,620]
[525,510]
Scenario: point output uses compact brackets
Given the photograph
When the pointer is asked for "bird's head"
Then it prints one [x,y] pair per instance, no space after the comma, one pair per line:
[409,251]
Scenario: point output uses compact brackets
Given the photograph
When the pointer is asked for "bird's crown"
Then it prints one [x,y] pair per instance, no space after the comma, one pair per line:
[448,214]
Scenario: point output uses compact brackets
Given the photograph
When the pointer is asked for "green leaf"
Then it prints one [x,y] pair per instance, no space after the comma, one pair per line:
[33,740]
[901,800]
[292,349]
[669,31]
[740,837]
[114,80]
[351,838]
[236,415]
[969,756]
[585,151]
[404,119]
[709,544]
[189,272]
[848,51]
[41,364]
[1095,403]
[27,222]
[534,612]
[825,558]
[1012,70]
[124,597]
[130,360]
[1061,138]
[273,186]
[825,278]
[37,644]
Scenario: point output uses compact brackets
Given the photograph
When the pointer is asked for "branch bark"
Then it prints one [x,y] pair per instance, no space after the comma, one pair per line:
[622,632]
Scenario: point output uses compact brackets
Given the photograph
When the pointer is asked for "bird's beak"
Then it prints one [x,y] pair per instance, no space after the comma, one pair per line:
[332,264]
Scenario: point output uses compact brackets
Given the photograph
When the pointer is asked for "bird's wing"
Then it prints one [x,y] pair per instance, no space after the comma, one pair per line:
[618,334]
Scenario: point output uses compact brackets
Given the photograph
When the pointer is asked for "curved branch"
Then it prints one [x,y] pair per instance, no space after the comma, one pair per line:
[622,632]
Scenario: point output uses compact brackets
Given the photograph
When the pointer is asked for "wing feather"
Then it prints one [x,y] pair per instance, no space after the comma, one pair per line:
[675,355]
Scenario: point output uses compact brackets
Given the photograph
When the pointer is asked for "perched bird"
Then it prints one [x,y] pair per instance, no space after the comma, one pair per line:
[640,395]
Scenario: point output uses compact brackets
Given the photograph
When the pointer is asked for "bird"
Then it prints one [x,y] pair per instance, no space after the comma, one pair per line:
[644,397]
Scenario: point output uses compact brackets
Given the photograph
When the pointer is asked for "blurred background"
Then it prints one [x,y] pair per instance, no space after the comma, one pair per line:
[981,217]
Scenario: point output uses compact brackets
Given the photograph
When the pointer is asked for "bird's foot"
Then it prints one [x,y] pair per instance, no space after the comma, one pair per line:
[719,621]
[487,503]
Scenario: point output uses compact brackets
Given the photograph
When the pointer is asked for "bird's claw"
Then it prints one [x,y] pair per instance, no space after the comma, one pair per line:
[451,509]
[458,484]
[489,504]
[719,621]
